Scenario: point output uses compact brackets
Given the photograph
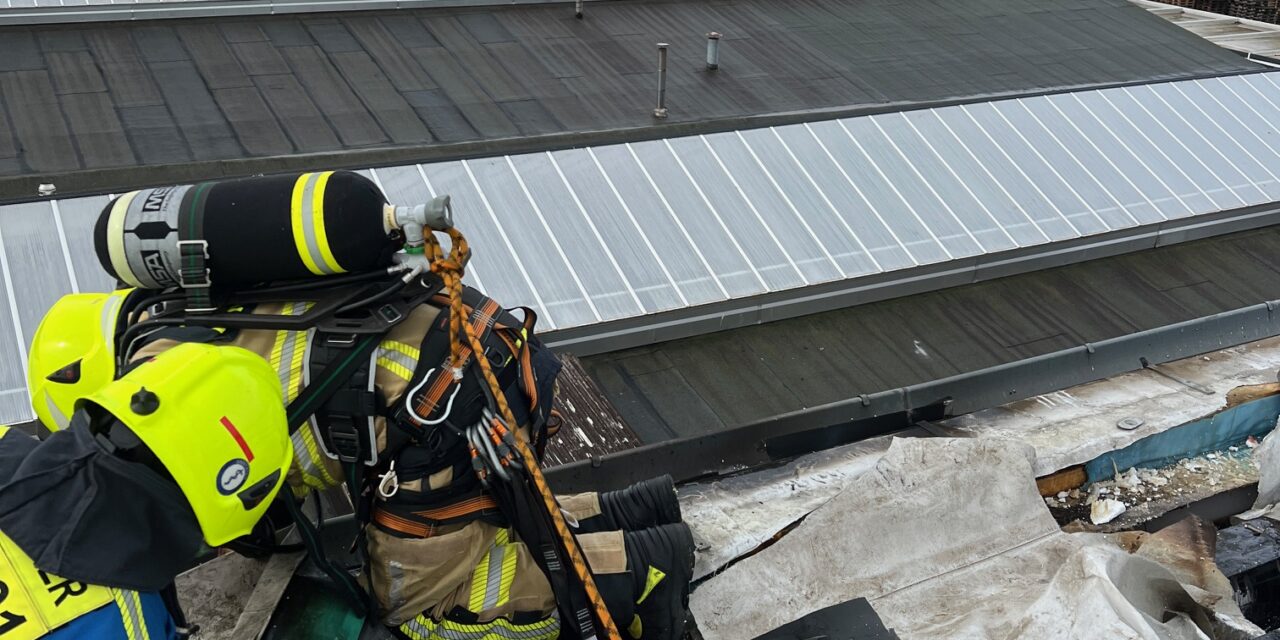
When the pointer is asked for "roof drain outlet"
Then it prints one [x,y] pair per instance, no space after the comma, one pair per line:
[713,51]
[661,110]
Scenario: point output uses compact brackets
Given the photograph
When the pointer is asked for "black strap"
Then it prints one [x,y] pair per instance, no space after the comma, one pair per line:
[345,420]
[525,509]
[183,628]
[330,381]
[356,596]
[193,250]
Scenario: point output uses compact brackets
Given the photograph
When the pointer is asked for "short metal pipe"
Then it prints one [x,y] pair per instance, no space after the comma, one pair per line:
[713,51]
[661,110]
[577,9]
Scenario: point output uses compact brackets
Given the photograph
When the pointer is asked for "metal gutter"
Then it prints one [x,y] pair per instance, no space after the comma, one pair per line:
[731,314]
[170,9]
[775,439]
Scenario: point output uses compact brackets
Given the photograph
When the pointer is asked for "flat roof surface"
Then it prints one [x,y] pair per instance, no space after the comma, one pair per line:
[705,384]
[1249,37]
[369,88]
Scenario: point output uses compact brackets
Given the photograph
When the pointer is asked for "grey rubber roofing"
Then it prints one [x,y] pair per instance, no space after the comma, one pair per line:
[368,88]
[702,385]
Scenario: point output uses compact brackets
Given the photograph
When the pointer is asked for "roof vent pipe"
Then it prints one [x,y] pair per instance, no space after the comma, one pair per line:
[577,9]
[661,110]
[713,51]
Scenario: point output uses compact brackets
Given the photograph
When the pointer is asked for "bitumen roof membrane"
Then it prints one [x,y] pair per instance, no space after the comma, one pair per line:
[712,382]
[159,101]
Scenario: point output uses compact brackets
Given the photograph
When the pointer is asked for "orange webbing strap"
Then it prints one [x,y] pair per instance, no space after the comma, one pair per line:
[450,271]
[481,318]
[415,525]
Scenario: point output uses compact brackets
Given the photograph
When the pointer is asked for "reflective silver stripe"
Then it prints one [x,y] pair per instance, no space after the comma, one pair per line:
[494,580]
[108,319]
[309,225]
[395,592]
[131,610]
[397,357]
[59,418]
[287,348]
[302,456]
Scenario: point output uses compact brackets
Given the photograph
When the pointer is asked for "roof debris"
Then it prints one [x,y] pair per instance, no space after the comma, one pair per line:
[1148,493]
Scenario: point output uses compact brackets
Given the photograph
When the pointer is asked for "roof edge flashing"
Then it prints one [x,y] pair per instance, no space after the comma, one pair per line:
[179,9]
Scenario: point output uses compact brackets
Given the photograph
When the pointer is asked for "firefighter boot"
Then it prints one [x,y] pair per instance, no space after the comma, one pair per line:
[639,506]
[660,560]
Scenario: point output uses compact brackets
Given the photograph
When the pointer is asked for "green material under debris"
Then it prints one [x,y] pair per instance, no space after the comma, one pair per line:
[1217,432]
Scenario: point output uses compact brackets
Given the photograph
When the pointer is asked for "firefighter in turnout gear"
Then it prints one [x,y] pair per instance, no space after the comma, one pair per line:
[98,519]
[416,392]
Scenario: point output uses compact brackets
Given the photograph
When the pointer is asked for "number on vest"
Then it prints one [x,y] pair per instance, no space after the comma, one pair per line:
[9,619]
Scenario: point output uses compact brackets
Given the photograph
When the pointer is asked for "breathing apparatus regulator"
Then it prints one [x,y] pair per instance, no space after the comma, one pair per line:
[238,234]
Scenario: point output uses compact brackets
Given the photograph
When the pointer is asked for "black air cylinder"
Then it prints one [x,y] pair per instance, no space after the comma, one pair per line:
[257,230]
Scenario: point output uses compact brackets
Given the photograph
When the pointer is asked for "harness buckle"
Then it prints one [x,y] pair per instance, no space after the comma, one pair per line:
[339,339]
[346,441]
[389,483]
[197,276]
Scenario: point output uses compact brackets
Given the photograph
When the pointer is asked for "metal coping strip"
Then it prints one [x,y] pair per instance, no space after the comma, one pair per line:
[780,305]
[879,413]
[225,8]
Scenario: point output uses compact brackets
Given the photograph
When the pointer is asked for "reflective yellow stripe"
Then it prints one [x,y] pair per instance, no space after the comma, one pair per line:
[288,352]
[317,224]
[288,356]
[493,576]
[408,350]
[306,452]
[479,581]
[398,358]
[508,576]
[424,628]
[655,576]
[300,236]
[135,623]
[396,368]
[3,430]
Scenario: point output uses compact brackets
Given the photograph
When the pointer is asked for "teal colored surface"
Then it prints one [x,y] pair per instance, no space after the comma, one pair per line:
[1219,431]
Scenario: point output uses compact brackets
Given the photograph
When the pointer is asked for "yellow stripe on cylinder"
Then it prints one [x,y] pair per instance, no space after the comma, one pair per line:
[300,236]
[307,216]
[317,224]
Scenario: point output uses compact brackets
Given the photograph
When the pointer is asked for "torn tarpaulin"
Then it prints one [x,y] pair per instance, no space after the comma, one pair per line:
[948,538]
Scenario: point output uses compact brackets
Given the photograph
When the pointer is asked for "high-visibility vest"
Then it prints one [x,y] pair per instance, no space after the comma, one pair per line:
[33,603]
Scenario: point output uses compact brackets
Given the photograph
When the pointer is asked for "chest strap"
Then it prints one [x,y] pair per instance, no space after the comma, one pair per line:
[345,420]
[433,393]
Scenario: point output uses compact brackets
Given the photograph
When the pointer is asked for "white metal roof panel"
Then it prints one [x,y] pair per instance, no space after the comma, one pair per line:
[599,234]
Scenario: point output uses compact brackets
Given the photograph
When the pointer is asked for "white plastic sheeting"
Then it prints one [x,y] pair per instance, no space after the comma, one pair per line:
[612,232]
[949,539]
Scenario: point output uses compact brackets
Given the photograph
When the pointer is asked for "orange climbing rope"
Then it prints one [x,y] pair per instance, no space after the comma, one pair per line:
[450,269]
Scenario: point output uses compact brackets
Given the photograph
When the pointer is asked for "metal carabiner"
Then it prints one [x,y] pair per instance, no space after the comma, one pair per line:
[448,407]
